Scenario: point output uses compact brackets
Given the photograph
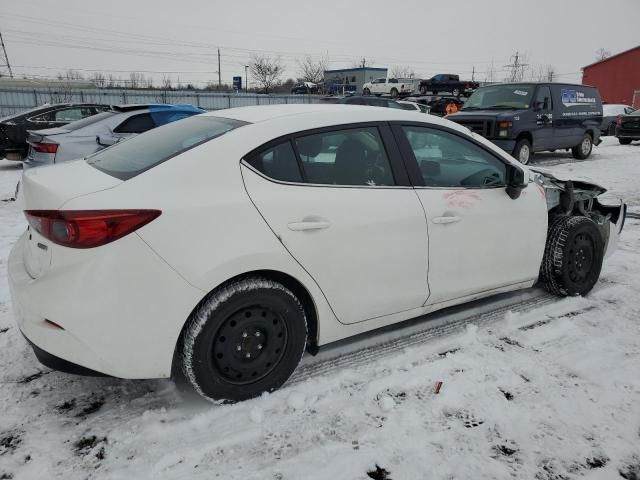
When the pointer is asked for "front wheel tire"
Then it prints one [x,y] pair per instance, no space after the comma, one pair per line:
[244,339]
[522,151]
[624,141]
[583,149]
[366,91]
[572,257]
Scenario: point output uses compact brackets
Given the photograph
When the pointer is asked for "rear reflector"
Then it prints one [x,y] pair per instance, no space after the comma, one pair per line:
[87,228]
[45,147]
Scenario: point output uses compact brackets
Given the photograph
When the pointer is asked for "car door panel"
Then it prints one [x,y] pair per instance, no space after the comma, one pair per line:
[365,247]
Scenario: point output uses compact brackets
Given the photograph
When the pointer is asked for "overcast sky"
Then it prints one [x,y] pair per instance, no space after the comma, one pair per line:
[181,37]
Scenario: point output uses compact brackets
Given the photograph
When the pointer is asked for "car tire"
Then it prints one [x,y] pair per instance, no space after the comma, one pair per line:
[456,92]
[572,257]
[244,339]
[366,91]
[522,151]
[624,141]
[584,148]
[423,90]
[394,93]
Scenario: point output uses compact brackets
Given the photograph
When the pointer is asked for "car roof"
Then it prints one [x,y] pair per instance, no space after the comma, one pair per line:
[300,117]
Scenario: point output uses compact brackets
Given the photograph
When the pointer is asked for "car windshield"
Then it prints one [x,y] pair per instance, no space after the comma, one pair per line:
[145,151]
[496,97]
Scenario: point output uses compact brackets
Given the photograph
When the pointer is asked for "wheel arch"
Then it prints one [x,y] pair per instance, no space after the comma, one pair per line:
[526,135]
[288,281]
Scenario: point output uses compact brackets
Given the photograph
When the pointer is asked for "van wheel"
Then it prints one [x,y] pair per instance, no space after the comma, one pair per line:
[583,149]
[624,141]
[523,152]
[572,257]
[245,339]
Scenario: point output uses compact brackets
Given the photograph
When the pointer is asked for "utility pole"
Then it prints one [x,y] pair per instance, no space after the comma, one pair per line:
[473,74]
[246,83]
[4,60]
[219,73]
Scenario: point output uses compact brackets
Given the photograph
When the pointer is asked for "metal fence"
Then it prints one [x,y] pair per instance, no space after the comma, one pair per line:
[17,99]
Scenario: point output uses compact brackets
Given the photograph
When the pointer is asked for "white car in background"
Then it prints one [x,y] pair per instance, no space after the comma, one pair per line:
[388,86]
[84,137]
[414,106]
[221,247]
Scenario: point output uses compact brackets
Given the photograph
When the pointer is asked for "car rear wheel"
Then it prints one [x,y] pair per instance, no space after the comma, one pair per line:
[583,149]
[246,338]
[394,92]
[456,92]
[522,152]
[573,256]
[624,141]
[366,91]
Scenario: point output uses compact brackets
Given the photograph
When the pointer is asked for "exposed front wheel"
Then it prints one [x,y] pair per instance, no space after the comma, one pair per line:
[583,149]
[522,152]
[573,256]
[244,339]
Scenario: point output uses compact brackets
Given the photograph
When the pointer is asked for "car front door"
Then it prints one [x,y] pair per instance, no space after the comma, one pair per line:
[544,137]
[479,238]
[343,208]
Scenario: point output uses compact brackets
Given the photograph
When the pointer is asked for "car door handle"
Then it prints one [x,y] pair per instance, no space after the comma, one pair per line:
[308,225]
[443,220]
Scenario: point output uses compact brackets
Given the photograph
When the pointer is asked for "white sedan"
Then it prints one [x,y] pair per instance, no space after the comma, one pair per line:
[221,247]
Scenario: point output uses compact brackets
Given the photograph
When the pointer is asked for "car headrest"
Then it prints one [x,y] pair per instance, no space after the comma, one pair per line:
[309,146]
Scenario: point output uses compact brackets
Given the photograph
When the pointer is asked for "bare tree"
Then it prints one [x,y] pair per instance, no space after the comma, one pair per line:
[311,70]
[135,80]
[402,71]
[602,54]
[99,79]
[551,73]
[167,83]
[266,71]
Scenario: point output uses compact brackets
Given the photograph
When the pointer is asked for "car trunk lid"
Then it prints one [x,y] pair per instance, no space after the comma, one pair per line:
[50,188]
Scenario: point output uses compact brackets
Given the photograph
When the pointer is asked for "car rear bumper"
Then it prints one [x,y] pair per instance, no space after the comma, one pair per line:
[117,312]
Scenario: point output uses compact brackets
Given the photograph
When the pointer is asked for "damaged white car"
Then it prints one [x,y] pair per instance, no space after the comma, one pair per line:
[221,247]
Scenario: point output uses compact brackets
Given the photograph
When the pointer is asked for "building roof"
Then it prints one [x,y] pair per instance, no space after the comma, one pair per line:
[611,57]
[355,69]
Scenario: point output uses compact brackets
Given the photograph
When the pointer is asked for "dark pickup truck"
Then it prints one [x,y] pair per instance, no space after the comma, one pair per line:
[445,82]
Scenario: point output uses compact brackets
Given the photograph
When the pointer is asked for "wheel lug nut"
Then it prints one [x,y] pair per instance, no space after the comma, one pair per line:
[238,348]
[260,346]
[248,355]
[244,334]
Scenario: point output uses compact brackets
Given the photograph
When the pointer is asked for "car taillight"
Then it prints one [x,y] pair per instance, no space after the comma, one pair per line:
[45,147]
[87,228]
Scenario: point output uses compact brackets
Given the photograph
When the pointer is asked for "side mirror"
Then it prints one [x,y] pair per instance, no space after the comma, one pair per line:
[106,140]
[516,181]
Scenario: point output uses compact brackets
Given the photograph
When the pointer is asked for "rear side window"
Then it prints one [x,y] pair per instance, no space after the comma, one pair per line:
[136,124]
[138,154]
[73,114]
[278,163]
[345,157]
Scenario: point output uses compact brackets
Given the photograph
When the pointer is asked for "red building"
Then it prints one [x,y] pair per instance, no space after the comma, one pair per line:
[617,77]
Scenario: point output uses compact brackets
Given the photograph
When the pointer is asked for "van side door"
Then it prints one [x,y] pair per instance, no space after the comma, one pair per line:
[544,131]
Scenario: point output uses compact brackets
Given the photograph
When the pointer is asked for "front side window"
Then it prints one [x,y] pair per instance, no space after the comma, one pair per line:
[543,100]
[345,157]
[447,160]
[278,163]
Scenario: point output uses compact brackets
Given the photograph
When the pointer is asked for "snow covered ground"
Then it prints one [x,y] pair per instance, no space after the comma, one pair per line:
[533,387]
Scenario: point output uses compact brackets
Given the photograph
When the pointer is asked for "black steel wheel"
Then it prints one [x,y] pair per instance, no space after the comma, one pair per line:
[573,256]
[244,339]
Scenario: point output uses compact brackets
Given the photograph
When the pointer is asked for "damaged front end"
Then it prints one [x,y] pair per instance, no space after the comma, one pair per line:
[580,196]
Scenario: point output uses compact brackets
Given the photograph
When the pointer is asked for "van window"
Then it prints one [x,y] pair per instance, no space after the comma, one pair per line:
[542,102]
[127,159]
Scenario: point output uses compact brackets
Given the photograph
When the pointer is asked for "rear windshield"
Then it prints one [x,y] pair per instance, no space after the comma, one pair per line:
[138,154]
[88,121]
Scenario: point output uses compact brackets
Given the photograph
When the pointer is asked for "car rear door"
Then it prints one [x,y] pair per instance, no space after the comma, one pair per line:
[340,202]
[479,238]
